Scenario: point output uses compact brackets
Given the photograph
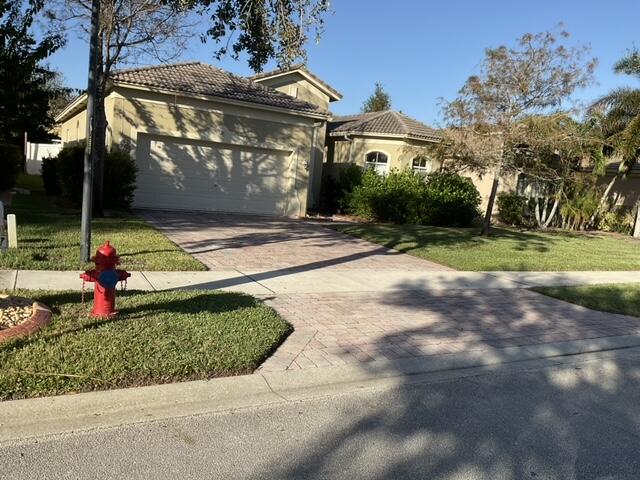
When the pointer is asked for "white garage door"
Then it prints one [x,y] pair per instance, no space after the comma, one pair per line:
[180,174]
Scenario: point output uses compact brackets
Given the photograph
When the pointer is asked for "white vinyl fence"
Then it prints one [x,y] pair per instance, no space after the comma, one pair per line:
[36,152]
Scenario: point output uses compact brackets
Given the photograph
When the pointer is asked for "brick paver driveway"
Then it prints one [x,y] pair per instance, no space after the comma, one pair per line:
[336,328]
[239,242]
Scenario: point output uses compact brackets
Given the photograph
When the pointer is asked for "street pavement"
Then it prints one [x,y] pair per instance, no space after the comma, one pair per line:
[566,418]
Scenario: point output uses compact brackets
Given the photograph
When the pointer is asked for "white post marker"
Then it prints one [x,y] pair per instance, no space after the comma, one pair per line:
[3,229]
[12,232]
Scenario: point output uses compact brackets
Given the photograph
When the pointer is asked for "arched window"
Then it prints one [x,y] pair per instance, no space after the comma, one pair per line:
[421,164]
[379,161]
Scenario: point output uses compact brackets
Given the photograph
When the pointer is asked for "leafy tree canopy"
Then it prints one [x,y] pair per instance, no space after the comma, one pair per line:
[261,29]
[378,101]
[25,89]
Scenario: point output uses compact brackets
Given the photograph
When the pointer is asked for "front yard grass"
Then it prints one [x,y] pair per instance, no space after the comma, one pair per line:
[619,298]
[506,249]
[49,239]
[159,337]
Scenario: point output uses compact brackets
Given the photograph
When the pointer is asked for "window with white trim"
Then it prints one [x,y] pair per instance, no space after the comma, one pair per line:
[421,165]
[379,161]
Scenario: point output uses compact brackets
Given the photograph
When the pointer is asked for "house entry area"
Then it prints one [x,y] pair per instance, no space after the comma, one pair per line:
[181,174]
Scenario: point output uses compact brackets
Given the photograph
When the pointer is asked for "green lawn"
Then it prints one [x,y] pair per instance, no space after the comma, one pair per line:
[30,182]
[158,338]
[624,298]
[506,248]
[49,239]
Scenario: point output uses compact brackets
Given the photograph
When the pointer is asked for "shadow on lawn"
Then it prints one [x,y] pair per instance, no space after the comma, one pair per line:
[407,238]
[248,231]
[73,316]
[557,423]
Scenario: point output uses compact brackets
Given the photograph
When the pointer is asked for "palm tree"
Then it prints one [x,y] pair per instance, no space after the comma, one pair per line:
[619,114]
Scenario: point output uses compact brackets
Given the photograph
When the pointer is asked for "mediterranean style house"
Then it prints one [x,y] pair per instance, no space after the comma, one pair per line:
[206,140]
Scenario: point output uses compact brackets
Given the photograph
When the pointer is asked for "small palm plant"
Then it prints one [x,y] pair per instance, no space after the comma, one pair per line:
[619,116]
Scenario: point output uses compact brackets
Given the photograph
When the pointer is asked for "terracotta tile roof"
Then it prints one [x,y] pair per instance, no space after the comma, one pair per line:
[299,66]
[202,79]
[383,123]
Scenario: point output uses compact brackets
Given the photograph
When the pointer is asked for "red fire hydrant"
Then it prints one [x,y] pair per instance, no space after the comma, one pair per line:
[106,277]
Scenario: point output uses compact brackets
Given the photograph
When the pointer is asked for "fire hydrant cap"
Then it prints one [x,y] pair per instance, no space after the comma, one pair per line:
[106,254]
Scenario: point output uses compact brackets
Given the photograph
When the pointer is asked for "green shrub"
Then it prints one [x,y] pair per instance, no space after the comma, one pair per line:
[50,176]
[619,219]
[350,177]
[70,171]
[118,181]
[10,161]
[336,193]
[388,198]
[407,197]
[450,200]
[512,209]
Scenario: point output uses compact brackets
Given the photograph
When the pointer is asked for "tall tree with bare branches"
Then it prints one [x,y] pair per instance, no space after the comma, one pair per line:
[129,31]
[157,30]
[537,76]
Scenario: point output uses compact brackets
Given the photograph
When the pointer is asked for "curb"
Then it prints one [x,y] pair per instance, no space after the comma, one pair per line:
[24,419]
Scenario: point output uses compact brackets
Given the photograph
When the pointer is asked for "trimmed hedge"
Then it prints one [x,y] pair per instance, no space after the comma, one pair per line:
[451,200]
[10,162]
[65,175]
[444,198]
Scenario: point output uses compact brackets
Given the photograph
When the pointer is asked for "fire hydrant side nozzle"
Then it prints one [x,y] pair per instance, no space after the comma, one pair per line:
[105,276]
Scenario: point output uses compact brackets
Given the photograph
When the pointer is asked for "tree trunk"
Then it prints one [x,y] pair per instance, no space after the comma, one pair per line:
[486,227]
[636,228]
[99,146]
[603,200]
[552,213]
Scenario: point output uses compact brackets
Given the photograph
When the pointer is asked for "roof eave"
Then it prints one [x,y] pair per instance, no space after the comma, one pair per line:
[230,101]
[402,136]
[70,108]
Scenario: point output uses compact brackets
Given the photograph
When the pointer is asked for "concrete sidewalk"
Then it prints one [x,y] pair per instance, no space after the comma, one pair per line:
[292,281]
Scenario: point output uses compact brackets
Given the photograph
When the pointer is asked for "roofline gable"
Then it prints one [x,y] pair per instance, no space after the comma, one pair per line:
[331,92]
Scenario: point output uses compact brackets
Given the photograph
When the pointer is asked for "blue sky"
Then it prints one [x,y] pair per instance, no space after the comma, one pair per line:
[423,50]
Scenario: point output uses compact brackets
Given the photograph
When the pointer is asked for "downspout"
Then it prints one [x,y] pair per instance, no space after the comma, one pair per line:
[312,162]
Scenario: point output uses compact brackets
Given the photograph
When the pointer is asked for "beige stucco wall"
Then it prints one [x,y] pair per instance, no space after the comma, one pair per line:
[626,191]
[75,127]
[507,184]
[138,112]
[399,151]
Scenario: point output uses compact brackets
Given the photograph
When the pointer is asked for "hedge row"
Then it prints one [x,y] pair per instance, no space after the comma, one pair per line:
[63,175]
[442,199]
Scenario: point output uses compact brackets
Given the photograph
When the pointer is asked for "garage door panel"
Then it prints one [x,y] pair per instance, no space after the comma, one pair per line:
[192,175]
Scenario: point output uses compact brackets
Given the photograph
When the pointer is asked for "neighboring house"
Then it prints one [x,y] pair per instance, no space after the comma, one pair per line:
[626,191]
[380,140]
[206,140]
